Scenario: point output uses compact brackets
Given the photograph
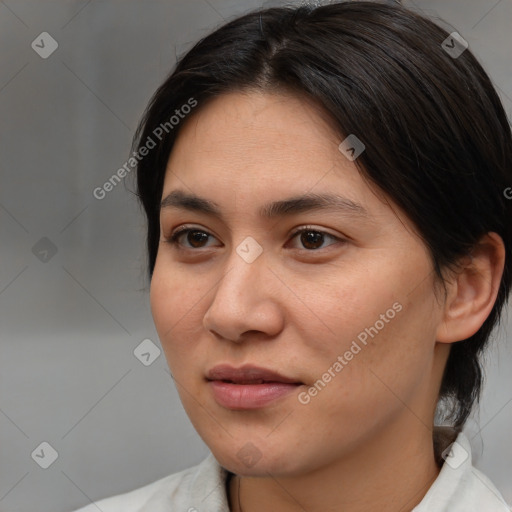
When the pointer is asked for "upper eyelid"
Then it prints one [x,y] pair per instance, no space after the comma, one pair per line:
[192,227]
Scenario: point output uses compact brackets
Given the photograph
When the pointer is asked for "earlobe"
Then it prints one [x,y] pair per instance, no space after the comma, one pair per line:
[474,289]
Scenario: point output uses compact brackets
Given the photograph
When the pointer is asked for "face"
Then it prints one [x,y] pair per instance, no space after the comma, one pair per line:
[339,299]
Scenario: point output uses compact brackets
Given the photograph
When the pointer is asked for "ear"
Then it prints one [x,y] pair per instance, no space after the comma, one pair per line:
[473,291]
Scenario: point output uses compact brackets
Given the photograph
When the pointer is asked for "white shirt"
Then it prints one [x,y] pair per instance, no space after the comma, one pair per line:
[459,487]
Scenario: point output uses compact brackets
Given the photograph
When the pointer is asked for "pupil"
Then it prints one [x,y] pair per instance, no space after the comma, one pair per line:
[311,237]
[194,235]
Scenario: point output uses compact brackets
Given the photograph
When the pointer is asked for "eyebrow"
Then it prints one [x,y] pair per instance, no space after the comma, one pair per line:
[286,207]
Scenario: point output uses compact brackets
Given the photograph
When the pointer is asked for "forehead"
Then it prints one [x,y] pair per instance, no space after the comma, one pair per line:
[257,123]
[255,136]
[263,147]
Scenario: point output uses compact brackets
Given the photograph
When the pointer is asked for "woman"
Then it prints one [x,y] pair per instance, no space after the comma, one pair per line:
[329,249]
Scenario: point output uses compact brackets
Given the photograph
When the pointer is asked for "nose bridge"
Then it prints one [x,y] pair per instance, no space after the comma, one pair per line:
[240,302]
[245,267]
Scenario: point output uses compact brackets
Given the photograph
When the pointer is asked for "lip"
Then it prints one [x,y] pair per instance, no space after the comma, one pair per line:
[248,387]
[247,373]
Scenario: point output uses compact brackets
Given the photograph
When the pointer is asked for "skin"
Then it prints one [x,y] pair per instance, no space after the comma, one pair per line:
[364,442]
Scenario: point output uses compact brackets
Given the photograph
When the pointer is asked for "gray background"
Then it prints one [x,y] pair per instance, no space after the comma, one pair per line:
[70,321]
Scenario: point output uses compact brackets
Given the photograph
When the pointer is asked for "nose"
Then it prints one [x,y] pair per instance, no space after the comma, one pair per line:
[245,301]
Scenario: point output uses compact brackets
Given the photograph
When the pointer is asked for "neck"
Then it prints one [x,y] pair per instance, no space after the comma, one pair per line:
[387,474]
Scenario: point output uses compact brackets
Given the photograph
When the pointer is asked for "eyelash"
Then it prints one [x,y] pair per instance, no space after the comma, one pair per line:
[173,238]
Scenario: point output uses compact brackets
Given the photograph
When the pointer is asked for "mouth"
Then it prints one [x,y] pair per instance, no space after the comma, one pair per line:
[249,381]
[247,374]
[248,387]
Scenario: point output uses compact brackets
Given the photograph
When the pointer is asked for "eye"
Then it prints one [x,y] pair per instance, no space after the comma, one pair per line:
[311,238]
[194,235]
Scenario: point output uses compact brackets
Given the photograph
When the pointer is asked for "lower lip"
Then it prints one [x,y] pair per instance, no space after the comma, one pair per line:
[249,396]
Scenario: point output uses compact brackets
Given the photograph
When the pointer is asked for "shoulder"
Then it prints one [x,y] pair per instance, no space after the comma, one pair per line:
[201,484]
[482,493]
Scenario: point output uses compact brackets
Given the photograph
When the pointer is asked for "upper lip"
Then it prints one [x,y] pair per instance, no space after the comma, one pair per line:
[247,374]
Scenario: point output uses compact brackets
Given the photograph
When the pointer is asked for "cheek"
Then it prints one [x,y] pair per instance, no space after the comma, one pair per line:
[384,334]
[346,309]
[387,370]
[175,307]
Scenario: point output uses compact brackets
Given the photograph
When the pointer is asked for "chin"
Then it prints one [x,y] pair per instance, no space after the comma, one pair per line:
[258,459]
